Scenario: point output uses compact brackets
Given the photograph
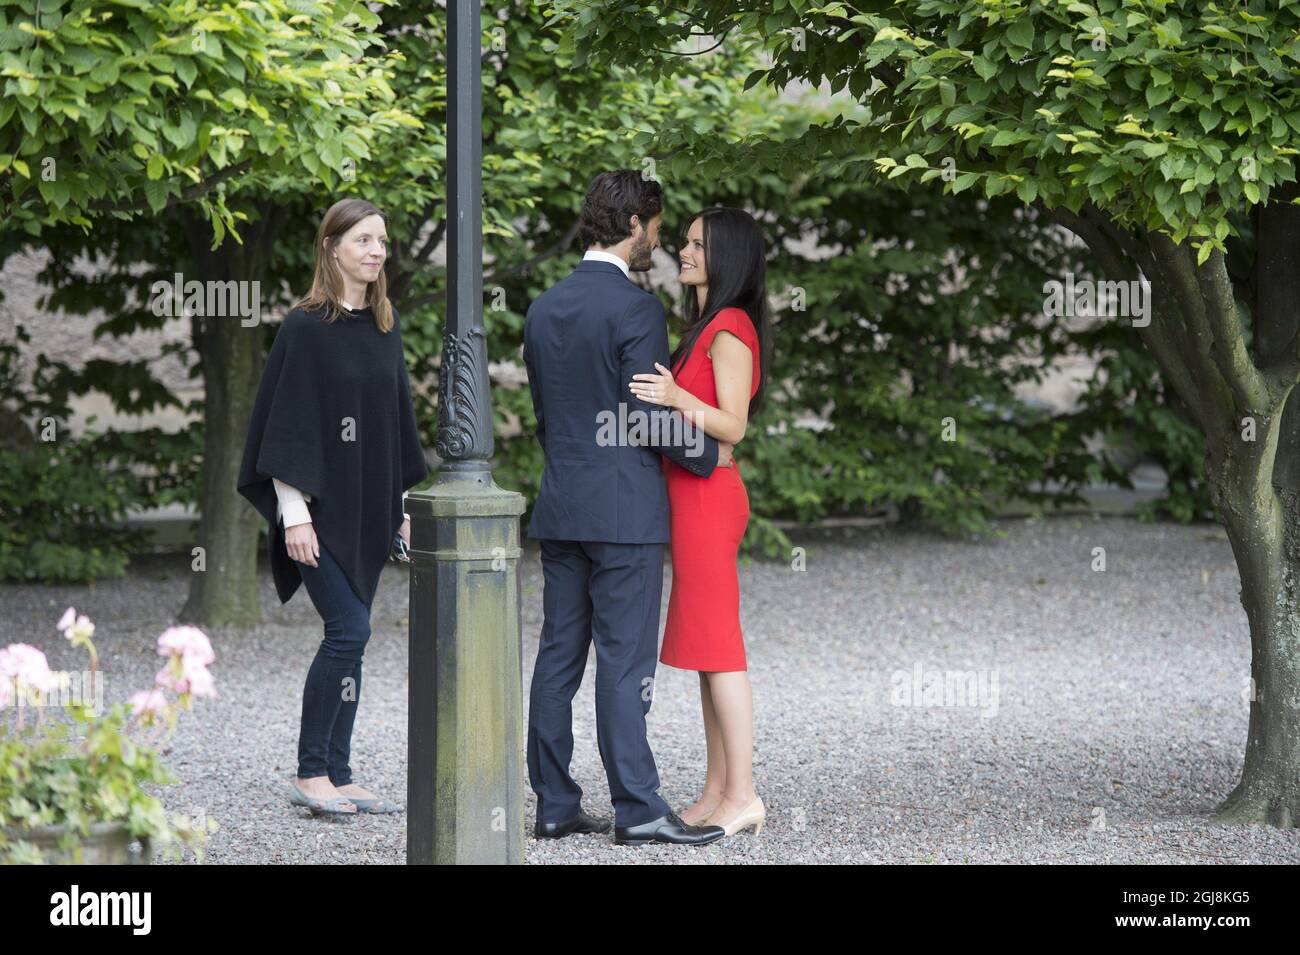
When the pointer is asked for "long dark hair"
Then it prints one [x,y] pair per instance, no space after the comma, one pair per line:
[736,263]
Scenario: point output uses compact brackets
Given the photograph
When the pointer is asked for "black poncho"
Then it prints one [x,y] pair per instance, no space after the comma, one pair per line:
[333,417]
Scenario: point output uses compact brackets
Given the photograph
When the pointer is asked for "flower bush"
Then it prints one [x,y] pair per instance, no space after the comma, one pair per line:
[92,767]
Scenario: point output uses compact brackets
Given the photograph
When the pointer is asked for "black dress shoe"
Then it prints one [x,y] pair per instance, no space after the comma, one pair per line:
[579,823]
[669,829]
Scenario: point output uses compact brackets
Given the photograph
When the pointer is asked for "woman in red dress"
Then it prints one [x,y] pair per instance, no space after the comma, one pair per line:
[717,381]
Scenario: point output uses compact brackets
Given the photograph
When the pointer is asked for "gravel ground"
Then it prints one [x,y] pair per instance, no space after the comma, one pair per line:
[1109,722]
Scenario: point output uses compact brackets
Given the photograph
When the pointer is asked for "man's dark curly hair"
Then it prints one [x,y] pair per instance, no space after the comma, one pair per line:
[613,198]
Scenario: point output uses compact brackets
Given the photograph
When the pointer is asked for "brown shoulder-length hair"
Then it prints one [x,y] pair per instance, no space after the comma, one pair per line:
[327,282]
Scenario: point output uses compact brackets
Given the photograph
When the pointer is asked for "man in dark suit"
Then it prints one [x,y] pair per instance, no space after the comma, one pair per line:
[601,515]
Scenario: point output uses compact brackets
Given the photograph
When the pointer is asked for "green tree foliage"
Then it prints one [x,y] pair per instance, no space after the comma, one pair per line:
[63,501]
[133,106]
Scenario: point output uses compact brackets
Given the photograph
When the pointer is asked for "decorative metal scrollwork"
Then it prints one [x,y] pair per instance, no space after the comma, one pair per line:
[464,429]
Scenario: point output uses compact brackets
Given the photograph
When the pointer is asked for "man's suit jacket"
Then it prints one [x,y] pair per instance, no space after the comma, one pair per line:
[584,339]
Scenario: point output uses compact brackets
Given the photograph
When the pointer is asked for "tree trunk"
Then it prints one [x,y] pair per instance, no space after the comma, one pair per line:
[1267,542]
[1269,790]
[225,593]
[1263,527]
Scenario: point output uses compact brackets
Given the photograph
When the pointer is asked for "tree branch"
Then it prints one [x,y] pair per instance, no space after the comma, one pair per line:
[1159,336]
[886,74]
[565,241]
[1277,287]
[1211,343]
[187,194]
[1229,346]
[402,283]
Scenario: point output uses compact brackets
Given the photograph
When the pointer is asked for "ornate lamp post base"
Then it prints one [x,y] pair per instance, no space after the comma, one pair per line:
[466,733]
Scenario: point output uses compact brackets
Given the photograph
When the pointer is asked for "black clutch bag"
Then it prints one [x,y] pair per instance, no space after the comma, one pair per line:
[399,551]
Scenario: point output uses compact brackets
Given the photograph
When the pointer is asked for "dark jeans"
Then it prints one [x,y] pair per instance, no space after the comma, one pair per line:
[333,688]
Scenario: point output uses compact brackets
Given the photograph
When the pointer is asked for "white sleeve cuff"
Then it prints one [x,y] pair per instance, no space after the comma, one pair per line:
[292,503]
[295,512]
[287,492]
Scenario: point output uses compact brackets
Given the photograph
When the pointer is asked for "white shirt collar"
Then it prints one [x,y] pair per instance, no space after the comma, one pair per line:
[593,254]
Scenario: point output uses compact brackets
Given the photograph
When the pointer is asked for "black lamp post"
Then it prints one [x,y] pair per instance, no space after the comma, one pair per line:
[465,800]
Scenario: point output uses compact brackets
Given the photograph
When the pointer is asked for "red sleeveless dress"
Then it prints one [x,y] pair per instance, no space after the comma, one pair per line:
[708,518]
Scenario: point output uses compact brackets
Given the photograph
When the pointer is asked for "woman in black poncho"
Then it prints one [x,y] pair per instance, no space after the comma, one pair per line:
[332,447]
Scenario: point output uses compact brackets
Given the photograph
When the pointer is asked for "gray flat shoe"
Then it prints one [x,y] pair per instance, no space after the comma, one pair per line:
[334,805]
[376,805]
